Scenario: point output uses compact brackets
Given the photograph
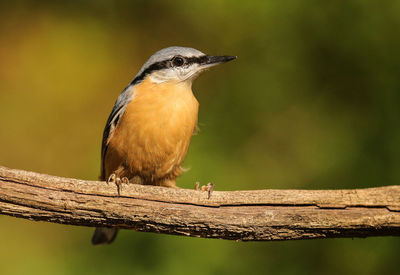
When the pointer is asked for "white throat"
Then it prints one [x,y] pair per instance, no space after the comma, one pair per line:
[177,74]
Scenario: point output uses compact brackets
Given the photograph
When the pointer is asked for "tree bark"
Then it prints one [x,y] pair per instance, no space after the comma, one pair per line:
[259,215]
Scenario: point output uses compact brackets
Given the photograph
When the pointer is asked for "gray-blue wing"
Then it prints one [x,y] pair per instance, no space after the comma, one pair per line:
[118,110]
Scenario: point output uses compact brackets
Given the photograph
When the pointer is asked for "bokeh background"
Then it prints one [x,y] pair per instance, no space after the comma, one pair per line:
[313,102]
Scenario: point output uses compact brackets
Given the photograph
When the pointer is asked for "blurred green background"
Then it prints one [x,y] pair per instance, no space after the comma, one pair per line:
[313,102]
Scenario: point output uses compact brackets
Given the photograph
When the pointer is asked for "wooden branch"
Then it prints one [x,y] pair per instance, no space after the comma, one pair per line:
[236,215]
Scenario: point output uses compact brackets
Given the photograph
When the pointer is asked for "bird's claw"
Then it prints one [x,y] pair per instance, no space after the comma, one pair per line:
[118,182]
[209,188]
[111,178]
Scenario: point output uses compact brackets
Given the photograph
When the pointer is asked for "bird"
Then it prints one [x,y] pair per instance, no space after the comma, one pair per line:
[148,132]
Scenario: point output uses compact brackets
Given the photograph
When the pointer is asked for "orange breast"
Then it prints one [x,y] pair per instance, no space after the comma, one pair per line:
[153,135]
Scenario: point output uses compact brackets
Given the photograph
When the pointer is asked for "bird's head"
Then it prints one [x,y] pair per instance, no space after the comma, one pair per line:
[179,64]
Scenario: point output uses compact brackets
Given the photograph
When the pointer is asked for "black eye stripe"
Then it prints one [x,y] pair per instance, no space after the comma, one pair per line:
[153,67]
[199,60]
[167,64]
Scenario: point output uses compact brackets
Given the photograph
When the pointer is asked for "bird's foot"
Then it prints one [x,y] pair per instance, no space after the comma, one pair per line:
[118,181]
[209,188]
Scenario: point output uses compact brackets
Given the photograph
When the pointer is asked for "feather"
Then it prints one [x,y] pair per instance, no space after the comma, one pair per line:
[118,110]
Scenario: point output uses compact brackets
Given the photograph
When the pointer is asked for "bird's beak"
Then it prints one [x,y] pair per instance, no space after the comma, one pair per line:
[211,61]
[207,61]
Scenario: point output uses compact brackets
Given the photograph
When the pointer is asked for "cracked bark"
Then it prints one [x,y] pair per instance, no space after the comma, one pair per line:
[258,215]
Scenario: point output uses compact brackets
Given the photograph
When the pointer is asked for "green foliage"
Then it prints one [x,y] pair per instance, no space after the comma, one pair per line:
[311,102]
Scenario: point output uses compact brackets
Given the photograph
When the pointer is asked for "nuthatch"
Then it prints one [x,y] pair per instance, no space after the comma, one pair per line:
[148,132]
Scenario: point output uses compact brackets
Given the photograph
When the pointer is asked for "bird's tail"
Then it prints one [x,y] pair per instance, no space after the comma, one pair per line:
[104,235]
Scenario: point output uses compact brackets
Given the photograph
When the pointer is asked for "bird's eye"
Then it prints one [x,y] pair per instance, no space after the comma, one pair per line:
[178,61]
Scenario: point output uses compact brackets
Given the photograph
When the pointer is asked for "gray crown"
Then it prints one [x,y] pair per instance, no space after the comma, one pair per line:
[168,53]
